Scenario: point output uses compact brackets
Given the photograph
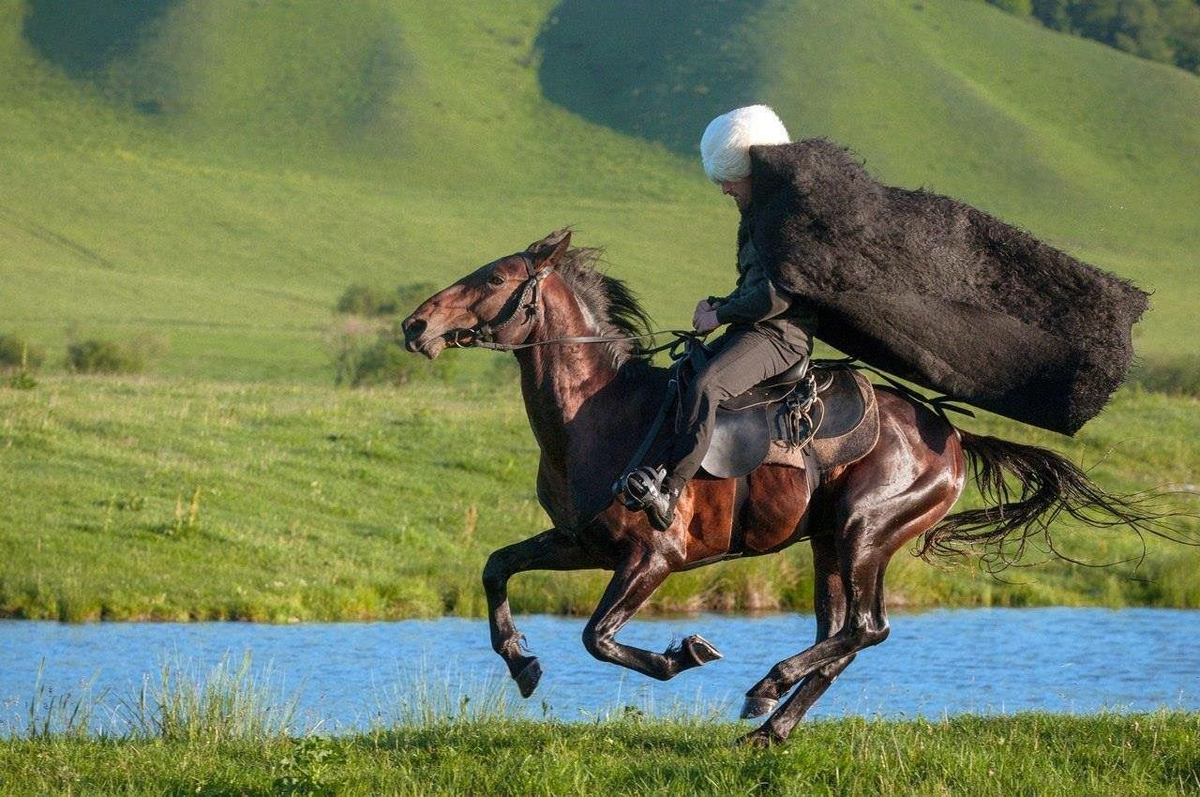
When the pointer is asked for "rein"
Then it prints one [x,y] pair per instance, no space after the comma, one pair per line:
[680,335]
[483,335]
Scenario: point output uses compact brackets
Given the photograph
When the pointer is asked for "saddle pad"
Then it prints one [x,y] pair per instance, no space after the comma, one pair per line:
[848,432]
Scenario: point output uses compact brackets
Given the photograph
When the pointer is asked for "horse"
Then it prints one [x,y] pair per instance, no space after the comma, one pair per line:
[591,391]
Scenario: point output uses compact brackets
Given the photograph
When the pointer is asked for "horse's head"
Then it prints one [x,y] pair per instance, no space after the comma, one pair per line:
[496,302]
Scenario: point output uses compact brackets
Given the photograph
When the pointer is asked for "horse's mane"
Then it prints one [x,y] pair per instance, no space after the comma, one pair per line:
[610,301]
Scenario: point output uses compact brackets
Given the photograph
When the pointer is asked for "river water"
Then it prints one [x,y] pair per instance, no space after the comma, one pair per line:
[348,676]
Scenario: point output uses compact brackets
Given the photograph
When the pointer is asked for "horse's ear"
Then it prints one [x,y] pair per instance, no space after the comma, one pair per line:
[550,249]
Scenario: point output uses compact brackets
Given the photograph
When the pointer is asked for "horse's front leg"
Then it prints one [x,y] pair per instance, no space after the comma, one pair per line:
[550,550]
[632,584]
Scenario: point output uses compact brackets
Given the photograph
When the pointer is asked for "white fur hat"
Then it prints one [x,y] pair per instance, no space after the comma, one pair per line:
[725,145]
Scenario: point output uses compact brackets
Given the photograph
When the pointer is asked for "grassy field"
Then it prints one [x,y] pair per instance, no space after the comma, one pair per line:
[209,175]
[145,498]
[174,172]
[1023,754]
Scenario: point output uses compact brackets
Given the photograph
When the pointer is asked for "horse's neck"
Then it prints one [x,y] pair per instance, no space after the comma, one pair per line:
[558,379]
[579,403]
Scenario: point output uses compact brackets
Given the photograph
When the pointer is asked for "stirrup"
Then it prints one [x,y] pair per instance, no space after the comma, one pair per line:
[637,488]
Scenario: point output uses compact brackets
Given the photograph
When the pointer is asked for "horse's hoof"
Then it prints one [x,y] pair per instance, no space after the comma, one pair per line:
[701,650]
[759,738]
[757,706]
[527,679]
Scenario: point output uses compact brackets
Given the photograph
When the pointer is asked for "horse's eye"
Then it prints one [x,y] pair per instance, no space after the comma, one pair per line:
[496,279]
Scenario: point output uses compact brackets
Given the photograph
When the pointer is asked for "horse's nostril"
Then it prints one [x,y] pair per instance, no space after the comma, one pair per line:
[413,327]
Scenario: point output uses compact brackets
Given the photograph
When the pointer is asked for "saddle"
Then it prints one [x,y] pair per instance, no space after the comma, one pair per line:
[816,418]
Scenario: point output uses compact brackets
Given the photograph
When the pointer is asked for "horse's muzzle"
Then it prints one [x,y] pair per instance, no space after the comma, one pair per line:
[414,329]
[420,338]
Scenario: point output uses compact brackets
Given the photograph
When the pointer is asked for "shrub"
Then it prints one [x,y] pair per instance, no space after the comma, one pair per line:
[366,300]
[102,356]
[97,355]
[383,363]
[372,301]
[367,355]
[1160,30]
[371,352]
[1178,376]
[16,352]
[21,379]
[1020,7]
[410,296]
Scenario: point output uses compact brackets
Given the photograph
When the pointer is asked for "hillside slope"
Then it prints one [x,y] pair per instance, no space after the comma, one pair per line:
[215,173]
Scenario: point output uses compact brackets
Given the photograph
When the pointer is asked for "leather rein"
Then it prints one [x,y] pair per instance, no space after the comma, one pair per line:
[483,334]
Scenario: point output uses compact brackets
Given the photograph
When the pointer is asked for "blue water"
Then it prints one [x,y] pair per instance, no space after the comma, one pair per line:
[350,675]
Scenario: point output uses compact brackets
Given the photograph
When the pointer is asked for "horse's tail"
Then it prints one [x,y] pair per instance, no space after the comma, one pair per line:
[1047,486]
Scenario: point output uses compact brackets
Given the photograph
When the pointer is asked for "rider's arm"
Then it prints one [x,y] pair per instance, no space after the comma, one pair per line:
[755,299]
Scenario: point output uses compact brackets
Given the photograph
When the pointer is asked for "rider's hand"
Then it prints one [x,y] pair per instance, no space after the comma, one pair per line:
[705,317]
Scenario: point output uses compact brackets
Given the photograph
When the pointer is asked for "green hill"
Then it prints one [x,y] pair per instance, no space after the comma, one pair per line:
[216,171]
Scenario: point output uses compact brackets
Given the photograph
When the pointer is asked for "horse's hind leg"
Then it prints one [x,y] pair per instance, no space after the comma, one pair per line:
[550,550]
[876,526]
[865,625]
[829,605]
[632,584]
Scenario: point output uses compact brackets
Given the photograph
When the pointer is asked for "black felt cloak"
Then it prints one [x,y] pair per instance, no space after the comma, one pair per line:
[938,292]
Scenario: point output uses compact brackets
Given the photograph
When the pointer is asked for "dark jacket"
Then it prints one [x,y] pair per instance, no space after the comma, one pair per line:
[938,292]
[756,300]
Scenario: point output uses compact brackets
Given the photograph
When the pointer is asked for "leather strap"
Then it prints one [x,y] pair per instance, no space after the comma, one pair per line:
[737,530]
[528,299]
[655,427]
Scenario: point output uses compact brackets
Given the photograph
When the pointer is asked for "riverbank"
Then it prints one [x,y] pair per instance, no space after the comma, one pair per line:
[157,499]
[1025,754]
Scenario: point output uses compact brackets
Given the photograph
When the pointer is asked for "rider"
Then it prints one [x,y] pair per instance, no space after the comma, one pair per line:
[769,330]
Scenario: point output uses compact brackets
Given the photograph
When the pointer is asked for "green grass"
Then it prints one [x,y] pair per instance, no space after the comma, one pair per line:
[141,498]
[229,732]
[219,179]
[1023,754]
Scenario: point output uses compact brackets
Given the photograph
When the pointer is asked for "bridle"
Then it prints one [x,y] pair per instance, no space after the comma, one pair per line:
[528,299]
